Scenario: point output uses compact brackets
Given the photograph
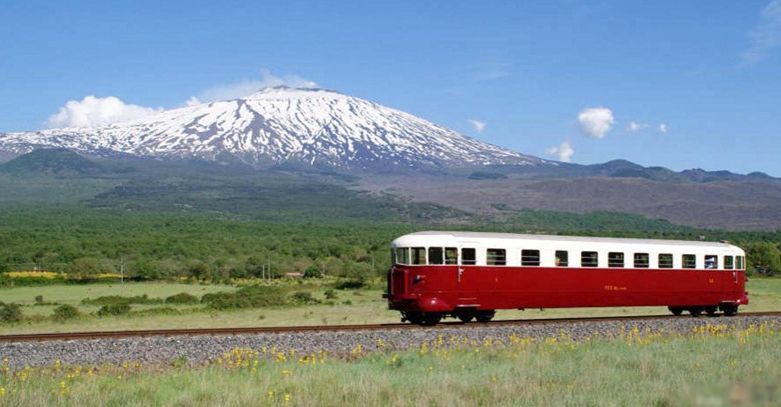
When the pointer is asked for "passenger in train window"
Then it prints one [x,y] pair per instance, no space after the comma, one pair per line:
[710,262]
[451,255]
[562,258]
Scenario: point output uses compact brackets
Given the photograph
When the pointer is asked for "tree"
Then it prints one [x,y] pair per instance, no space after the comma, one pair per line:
[763,258]
[312,272]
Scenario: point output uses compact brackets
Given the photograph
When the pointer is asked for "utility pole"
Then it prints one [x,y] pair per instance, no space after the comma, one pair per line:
[268,259]
[122,269]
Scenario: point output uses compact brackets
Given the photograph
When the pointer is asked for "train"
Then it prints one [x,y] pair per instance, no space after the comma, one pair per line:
[470,275]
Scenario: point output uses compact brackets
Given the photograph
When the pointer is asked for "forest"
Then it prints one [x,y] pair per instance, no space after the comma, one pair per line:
[149,245]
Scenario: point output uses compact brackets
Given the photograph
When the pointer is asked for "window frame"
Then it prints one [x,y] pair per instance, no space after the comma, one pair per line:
[740,263]
[404,259]
[418,250]
[638,265]
[610,261]
[659,263]
[530,263]
[561,263]
[689,261]
[441,256]
[462,258]
[715,259]
[730,263]
[455,259]
[500,258]
[583,255]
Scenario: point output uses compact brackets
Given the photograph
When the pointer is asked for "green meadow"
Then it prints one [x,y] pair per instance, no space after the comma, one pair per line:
[346,306]
[712,365]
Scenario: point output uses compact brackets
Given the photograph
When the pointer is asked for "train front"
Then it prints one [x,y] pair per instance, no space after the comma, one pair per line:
[417,286]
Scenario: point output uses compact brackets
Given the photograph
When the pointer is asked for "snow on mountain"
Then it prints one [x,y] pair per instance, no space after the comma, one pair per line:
[281,124]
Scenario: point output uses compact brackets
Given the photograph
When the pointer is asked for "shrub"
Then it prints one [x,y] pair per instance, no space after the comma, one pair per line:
[65,312]
[182,298]
[118,299]
[303,298]
[246,297]
[312,272]
[10,313]
[330,294]
[114,309]
[350,284]
[39,299]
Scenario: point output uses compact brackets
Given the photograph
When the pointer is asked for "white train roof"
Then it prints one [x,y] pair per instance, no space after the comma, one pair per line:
[485,239]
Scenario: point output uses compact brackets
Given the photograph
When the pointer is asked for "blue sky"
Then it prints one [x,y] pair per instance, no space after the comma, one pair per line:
[557,79]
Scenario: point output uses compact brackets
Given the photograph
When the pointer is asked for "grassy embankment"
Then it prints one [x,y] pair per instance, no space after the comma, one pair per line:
[712,366]
[349,307]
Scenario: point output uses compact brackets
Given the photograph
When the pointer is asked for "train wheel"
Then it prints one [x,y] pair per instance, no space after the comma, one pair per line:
[431,318]
[730,310]
[677,311]
[711,311]
[465,316]
[413,317]
[485,316]
[695,312]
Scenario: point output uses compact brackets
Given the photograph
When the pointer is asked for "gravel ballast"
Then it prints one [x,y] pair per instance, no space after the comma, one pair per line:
[199,349]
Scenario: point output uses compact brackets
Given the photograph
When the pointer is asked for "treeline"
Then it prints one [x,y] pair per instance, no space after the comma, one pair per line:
[85,243]
[152,245]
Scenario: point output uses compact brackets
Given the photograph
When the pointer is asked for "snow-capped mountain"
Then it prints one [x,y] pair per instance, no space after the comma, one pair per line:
[281,124]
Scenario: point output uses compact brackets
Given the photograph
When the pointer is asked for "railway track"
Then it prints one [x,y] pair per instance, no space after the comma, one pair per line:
[59,336]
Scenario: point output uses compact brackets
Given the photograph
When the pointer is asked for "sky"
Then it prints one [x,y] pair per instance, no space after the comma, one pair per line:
[693,84]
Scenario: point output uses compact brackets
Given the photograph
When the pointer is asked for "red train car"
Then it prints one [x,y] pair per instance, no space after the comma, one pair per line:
[470,275]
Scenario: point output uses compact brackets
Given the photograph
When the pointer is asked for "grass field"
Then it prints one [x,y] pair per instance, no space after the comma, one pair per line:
[714,366]
[364,306]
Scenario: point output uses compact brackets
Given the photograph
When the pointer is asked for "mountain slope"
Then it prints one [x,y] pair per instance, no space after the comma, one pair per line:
[276,125]
[53,161]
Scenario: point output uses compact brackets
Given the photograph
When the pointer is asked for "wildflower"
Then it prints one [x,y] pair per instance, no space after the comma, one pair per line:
[287,398]
[2,392]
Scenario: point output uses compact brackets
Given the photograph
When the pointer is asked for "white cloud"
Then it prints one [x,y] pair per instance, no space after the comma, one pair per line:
[596,121]
[764,36]
[635,126]
[662,127]
[248,87]
[563,152]
[477,124]
[193,101]
[93,111]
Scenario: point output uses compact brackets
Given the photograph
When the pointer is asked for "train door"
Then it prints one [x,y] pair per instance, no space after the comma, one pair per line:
[468,276]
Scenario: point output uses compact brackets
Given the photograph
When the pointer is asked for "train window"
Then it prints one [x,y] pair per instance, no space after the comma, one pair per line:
[728,262]
[418,255]
[562,258]
[711,261]
[589,259]
[689,261]
[451,255]
[468,257]
[435,255]
[402,255]
[496,257]
[615,259]
[739,262]
[641,260]
[530,257]
[665,261]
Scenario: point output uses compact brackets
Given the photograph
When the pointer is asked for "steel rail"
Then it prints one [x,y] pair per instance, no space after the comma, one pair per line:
[59,336]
